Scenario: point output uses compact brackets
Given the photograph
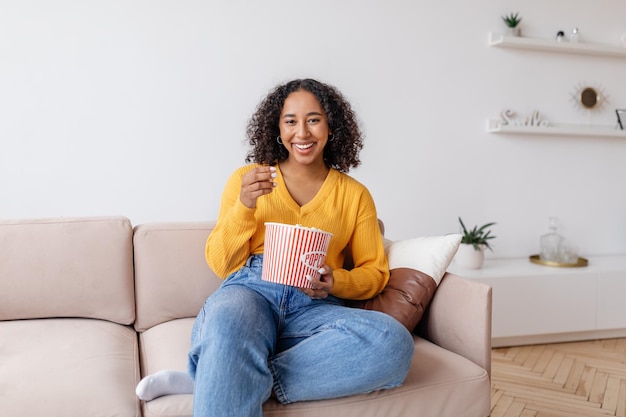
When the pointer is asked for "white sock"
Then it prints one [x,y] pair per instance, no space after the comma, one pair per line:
[164,382]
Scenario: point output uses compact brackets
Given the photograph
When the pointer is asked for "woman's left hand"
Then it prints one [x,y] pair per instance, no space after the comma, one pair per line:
[322,286]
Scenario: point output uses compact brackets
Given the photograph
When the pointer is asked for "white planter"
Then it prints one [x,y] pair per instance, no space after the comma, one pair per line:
[513,31]
[468,257]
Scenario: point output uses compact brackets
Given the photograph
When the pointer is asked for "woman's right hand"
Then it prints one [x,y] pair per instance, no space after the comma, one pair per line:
[255,183]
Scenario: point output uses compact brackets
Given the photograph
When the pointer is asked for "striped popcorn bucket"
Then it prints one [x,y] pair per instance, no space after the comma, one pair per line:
[293,252]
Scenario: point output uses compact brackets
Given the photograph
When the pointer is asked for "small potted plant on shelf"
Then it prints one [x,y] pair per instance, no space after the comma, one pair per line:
[512,21]
[471,252]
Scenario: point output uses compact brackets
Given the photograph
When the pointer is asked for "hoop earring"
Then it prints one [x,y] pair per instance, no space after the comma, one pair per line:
[331,137]
[279,140]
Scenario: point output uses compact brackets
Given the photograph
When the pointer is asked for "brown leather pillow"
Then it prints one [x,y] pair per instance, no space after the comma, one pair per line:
[410,290]
[405,298]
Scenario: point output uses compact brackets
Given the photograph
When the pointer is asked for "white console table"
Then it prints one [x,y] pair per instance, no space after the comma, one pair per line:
[540,304]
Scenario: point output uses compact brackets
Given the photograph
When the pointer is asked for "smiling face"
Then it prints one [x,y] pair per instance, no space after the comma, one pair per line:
[304,128]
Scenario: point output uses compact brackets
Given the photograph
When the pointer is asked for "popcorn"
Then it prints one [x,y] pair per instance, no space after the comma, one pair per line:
[292,252]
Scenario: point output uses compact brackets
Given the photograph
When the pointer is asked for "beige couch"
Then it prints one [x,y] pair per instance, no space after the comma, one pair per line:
[89,305]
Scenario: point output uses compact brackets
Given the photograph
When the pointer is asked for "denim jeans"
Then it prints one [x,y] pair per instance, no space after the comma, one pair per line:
[253,336]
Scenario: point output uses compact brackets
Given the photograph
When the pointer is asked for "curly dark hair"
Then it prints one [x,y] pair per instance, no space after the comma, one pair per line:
[341,152]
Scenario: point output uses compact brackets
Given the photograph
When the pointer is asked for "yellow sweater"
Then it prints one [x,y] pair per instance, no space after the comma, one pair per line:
[343,207]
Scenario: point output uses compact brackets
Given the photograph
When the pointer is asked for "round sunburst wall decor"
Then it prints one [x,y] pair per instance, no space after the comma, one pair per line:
[589,97]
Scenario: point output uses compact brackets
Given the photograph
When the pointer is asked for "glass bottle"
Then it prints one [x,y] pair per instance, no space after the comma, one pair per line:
[551,242]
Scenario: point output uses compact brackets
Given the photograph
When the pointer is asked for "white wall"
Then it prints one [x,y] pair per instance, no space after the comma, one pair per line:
[139,108]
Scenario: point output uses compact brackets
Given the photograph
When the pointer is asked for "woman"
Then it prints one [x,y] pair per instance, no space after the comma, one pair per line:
[255,338]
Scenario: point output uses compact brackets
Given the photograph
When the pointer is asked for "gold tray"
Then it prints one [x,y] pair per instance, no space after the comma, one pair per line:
[537,260]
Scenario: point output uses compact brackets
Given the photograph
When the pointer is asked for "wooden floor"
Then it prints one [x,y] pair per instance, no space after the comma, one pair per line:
[558,380]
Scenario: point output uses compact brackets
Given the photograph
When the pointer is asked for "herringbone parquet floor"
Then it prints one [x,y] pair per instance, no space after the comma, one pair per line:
[579,379]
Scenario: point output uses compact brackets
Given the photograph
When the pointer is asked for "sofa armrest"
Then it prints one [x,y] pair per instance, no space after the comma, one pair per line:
[459,319]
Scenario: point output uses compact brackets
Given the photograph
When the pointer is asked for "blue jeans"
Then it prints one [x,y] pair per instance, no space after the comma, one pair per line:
[253,336]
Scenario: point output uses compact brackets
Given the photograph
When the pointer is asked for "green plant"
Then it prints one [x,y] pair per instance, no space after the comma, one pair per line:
[477,236]
[512,20]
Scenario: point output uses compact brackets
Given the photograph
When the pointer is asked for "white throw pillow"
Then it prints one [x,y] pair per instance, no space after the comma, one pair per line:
[431,254]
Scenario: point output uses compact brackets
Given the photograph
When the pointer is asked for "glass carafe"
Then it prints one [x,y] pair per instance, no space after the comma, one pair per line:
[551,242]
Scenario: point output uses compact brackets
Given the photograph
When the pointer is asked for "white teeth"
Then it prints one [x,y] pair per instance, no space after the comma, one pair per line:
[307,146]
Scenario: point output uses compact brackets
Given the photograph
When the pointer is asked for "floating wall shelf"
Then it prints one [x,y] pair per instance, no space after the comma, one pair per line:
[496,126]
[550,45]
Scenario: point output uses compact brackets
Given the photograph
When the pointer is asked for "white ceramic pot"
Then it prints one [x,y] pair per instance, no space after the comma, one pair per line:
[513,31]
[468,257]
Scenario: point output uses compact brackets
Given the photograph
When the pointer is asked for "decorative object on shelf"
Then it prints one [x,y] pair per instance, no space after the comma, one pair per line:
[532,121]
[560,36]
[589,98]
[512,21]
[536,259]
[554,248]
[506,116]
[471,252]
[575,35]
[619,113]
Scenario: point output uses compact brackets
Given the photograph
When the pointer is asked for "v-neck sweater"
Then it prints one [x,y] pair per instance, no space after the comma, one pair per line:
[343,206]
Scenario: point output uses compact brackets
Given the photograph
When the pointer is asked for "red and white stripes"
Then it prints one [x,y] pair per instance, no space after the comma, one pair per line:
[292,252]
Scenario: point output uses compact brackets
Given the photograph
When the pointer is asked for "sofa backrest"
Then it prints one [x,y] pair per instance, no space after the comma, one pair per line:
[172,278]
[67,267]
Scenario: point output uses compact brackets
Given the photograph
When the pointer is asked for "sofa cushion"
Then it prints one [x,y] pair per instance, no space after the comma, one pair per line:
[429,254]
[67,267]
[416,266]
[68,367]
[405,297]
[165,346]
[439,384]
[172,278]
